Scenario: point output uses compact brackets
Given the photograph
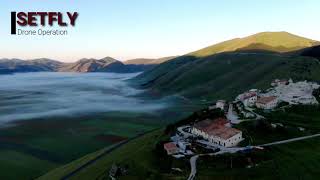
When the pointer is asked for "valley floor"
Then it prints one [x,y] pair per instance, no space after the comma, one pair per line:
[32,148]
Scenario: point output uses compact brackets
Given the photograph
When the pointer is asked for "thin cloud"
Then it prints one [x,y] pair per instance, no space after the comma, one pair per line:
[40,95]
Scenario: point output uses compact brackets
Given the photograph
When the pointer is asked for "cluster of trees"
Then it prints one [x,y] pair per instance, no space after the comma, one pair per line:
[301,70]
[164,162]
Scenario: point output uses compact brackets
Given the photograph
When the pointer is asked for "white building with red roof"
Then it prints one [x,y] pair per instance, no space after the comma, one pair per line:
[221,104]
[268,102]
[171,148]
[248,98]
[218,132]
[278,82]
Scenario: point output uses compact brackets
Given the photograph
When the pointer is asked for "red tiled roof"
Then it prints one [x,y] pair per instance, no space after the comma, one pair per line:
[249,95]
[170,146]
[283,81]
[266,100]
[209,125]
[224,132]
[217,128]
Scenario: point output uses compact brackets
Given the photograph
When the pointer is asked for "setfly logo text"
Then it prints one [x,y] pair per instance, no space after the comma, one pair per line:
[42,23]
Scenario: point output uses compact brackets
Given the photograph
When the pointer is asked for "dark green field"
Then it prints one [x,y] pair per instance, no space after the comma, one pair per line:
[31,148]
[34,147]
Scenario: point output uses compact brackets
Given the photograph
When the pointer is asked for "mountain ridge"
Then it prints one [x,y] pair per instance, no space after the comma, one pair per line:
[35,65]
[107,64]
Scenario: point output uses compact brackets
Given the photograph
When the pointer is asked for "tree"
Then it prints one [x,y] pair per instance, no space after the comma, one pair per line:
[316,93]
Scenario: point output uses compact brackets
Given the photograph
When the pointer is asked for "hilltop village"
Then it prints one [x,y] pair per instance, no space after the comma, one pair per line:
[218,134]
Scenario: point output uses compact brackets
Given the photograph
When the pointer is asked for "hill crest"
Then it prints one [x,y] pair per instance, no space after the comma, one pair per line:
[269,41]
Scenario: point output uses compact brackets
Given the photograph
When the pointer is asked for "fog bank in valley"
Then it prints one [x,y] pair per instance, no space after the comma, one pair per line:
[39,95]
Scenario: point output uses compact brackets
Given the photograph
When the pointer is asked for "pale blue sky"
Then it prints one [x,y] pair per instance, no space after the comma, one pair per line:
[127,29]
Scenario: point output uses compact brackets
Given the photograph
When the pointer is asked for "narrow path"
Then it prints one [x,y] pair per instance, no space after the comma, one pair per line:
[193,159]
[290,140]
[193,164]
[258,116]
[107,151]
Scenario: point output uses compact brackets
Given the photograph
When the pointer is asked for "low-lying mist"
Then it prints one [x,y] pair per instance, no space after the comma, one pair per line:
[39,95]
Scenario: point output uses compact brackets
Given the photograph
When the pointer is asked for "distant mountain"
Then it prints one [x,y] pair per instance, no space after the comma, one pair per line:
[144,64]
[36,65]
[226,69]
[107,64]
[145,61]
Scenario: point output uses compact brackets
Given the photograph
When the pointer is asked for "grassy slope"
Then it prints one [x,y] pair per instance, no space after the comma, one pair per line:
[225,75]
[60,172]
[205,72]
[24,165]
[141,61]
[312,52]
[299,160]
[136,153]
[275,41]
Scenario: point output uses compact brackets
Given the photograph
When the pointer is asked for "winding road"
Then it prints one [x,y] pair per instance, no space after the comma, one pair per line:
[193,162]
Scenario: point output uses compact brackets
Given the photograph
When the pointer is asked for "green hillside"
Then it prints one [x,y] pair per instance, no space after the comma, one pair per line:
[137,153]
[228,74]
[312,52]
[231,67]
[272,41]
